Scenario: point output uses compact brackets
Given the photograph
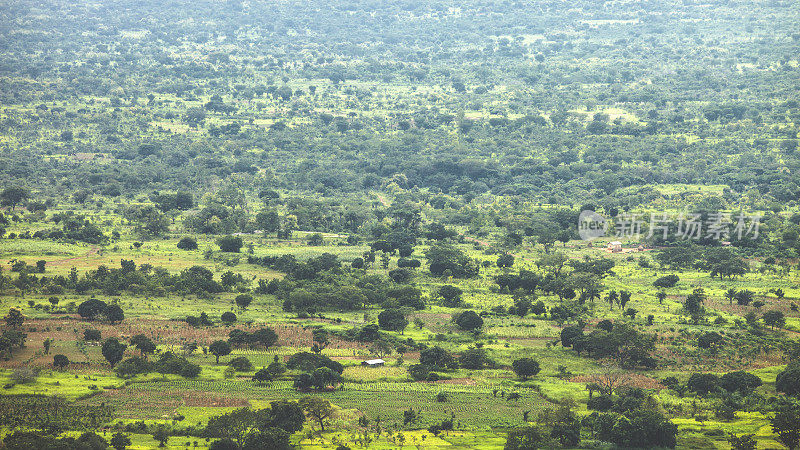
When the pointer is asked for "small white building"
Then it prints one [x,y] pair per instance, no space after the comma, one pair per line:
[373,363]
[615,246]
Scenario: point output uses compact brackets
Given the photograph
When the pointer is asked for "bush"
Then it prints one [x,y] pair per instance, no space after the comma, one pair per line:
[469,320]
[133,366]
[703,383]
[309,362]
[392,320]
[230,244]
[228,317]
[600,403]
[526,367]
[91,334]
[740,381]
[408,263]
[711,339]
[788,381]
[241,364]
[23,375]
[187,243]
[667,281]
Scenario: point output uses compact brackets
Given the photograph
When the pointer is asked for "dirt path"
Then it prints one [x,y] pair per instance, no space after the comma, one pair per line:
[92,251]
[473,239]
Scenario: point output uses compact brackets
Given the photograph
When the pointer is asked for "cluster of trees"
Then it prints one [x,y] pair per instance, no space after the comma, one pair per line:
[167,363]
[304,290]
[20,440]
[718,261]
[271,372]
[620,341]
[92,309]
[630,419]
[74,228]
[703,384]
[267,428]
[641,426]
[136,280]
[50,414]
[575,279]
[432,360]
[436,360]
[318,371]
[264,337]
[447,260]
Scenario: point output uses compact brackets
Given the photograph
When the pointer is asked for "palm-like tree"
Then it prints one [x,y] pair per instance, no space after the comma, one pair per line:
[730,294]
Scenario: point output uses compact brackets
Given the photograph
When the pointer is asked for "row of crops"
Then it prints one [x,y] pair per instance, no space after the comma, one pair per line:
[477,406]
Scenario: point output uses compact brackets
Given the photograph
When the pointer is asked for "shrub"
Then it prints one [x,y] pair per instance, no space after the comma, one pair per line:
[392,320]
[91,334]
[230,244]
[740,381]
[600,403]
[703,383]
[133,366]
[788,381]
[228,317]
[241,364]
[23,375]
[309,362]
[187,243]
[667,281]
[469,320]
[711,339]
[526,367]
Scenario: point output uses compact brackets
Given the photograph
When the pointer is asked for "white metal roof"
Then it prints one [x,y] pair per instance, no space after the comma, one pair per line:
[374,361]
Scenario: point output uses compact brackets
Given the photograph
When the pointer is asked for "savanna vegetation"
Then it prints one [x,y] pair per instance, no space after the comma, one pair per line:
[218,216]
